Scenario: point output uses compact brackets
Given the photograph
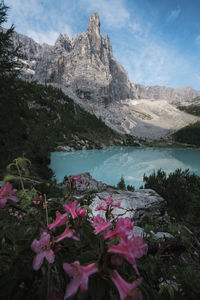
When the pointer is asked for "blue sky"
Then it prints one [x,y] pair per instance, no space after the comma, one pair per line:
[156,41]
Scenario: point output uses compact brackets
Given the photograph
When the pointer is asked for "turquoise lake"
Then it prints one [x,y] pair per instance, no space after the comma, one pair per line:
[130,162]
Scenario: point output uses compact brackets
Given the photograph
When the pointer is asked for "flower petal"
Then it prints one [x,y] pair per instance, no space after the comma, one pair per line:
[38,260]
[72,287]
[3,202]
[71,269]
[35,246]
[49,256]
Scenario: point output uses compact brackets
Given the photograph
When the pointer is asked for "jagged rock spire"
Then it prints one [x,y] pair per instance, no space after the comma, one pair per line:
[94,24]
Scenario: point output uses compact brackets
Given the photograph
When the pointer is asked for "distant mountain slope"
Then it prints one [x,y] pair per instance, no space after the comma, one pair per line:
[166,93]
[189,134]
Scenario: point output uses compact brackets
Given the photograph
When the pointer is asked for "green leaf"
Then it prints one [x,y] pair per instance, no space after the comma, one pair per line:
[8,178]
[166,287]
[88,208]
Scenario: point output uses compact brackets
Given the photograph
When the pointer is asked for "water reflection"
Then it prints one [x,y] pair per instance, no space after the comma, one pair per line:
[131,162]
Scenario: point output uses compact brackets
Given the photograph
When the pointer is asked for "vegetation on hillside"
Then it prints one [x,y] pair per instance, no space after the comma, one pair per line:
[193,109]
[34,119]
[189,134]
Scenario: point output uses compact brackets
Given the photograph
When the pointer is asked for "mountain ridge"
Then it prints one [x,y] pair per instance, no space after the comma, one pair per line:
[33,52]
[85,69]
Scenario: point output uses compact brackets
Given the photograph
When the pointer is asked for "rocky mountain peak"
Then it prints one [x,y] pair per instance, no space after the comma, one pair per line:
[63,43]
[94,25]
[85,65]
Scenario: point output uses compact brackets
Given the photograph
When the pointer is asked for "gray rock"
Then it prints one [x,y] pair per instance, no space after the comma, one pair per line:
[138,231]
[161,235]
[134,205]
[64,148]
[87,184]
[162,92]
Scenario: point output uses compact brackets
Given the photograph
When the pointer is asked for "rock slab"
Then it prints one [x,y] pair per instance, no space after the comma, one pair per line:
[134,205]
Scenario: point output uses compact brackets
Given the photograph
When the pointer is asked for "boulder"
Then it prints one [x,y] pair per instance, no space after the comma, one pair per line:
[86,184]
[134,205]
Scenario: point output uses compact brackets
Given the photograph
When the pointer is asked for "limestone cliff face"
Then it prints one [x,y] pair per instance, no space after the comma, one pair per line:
[85,69]
[162,92]
[84,64]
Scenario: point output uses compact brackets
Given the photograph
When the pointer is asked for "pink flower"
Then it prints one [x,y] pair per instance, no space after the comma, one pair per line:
[138,246]
[109,204]
[68,233]
[36,202]
[74,211]
[129,249]
[80,276]
[124,227]
[60,220]
[109,201]
[40,197]
[7,192]
[118,204]
[126,290]
[100,224]
[77,179]
[81,212]
[101,207]
[71,207]
[43,250]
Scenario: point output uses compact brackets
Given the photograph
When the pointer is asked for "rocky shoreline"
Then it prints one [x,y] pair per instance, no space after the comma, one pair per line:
[135,205]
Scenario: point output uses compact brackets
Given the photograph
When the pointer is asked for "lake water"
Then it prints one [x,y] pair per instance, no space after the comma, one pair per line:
[130,162]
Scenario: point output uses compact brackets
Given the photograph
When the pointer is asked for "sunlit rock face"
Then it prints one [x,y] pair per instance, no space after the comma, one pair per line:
[84,64]
[161,92]
[85,69]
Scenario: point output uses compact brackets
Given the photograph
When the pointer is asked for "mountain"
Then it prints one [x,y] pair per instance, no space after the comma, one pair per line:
[84,64]
[162,92]
[85,69]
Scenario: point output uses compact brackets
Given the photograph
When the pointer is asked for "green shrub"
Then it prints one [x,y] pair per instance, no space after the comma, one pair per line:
[121,184]
[182,192]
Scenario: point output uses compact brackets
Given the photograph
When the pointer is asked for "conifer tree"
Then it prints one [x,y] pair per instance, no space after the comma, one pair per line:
[9,54]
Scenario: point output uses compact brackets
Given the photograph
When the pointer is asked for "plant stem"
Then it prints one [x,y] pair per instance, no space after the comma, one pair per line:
[46,209]
[48,282]
[20,176]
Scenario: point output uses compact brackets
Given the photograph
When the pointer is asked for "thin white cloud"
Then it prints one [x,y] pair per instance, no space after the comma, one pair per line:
[113,13]
[32,18]
[198,39]
[173,15]
[149,60]
[21,10]
[47,37]
[135,27]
